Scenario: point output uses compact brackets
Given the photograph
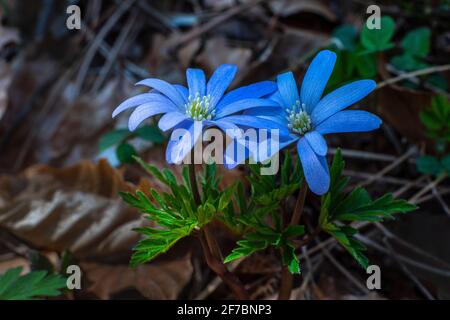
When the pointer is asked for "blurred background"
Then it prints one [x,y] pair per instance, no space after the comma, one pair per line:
[63,159]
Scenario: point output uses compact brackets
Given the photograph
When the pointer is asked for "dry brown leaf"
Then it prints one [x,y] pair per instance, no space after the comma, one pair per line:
[158,281]
[217,52]
[14,263]
[74,208]
[5,81]
[286,8]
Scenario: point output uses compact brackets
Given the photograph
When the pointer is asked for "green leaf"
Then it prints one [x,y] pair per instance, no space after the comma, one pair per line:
[437,119]
[408,62]
[417,42]
[446,163]
[245,248]
[346,34]
[113,138]
[150,133]
[125,153]
[33,285]
[366,65]
[294,231]
[375,40]
[340,207]
[290,259]
[429,165]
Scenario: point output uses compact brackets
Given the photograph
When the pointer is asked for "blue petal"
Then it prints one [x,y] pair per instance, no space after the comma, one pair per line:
[269,147]
[241,149]
[219,82]
[196,82]
[146,111]
[258,123]
[141,99]
[255,90]
[243,105]
[349,121]
[340,99]
[271,113]
[171,119]
[229,128]
[317,142]
[315,168]
[316,79]
[277,97]
[182,140]
[288,89]
[165,88]
[183,91]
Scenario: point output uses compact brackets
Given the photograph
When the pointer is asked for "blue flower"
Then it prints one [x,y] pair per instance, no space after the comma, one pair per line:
[309,116]
[201,105]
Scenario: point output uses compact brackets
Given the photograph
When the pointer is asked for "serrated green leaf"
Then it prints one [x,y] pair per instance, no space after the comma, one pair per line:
[245,248]
[36,284]
[340,207]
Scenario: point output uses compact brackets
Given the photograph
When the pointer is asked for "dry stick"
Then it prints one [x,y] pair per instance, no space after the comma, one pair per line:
[212,23]
[413,74]
[430,186]
[210,248]
[215,283]
[389,167]
[219,268]
[96,43]
[286,275]
[408,273]
[115,51]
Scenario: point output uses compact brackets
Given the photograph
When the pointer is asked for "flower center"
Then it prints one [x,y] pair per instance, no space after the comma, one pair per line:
[298,119]
[198,107]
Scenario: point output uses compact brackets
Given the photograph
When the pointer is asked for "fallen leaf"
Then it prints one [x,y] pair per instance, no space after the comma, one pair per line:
[287,8]
[217,52]
[74,208]
[157,281]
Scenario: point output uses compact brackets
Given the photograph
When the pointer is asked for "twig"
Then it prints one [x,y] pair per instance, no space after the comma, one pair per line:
[124,6]
[389,167]
[430,186]
[344,271]
[413,74]
[219,268]
[214,284]
[112,56]
[194,33]
[408,273]
[365,155]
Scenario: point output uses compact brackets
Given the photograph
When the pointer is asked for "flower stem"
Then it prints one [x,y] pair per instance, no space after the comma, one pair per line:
[193,181]
[286,275]
[211,249]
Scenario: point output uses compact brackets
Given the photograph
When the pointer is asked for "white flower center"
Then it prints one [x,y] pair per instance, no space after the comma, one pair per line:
[198,107]
[298,119]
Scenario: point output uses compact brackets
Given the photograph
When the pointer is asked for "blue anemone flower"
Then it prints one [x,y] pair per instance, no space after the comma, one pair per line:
[201,105]
[309,116]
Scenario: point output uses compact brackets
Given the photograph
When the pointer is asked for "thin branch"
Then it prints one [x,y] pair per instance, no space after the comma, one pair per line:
[413,74]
